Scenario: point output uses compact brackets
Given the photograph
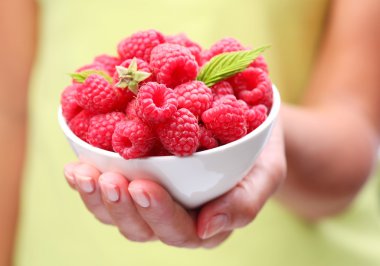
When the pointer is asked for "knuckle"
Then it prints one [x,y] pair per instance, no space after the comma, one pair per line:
[245,211]
[279,170]
[118,213]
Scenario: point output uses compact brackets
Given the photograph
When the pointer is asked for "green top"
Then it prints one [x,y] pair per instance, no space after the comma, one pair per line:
[56,229]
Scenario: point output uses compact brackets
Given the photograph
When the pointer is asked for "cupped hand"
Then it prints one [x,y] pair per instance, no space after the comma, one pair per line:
[143,211]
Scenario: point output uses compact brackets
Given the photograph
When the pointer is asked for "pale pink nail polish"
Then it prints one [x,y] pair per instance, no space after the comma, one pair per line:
[69,178]
[85,183]
[140,197]
[215,226]
[111,192]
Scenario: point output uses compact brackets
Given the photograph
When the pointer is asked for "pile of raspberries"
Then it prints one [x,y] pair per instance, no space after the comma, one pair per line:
[147,101]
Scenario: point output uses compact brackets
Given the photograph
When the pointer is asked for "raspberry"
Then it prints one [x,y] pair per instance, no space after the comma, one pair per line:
[124,97]
[221,88]
[194,96]
[70,108]
[132,139]
[101,129]
[224,45]
[97,95]
[159,150]
[179,135]
[140,45]
[131,109]
[256,116]
[259,62]
[205,57]
[141,66]
[108,63]
[232,101]
[253,86]
[181,39]
[156,103]
[226,122]
[173,64]
[80,123]
[128,77]
[206,139]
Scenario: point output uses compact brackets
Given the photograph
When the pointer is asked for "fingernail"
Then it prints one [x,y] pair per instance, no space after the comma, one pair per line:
[85,183]
[69,178]
[215,226]
[140,197]
[111,191]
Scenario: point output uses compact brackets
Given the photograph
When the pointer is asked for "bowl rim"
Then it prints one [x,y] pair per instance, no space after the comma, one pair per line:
[268,121]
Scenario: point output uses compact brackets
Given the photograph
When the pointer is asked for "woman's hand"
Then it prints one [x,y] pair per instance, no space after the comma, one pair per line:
[142,210]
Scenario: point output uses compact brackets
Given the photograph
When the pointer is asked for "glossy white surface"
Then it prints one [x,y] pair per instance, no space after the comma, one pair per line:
[192,180]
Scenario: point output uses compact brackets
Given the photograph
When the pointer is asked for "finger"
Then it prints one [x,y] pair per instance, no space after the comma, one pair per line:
[86,180]
[69,175]
[169,221]
[120,206]
[216,240]
[240,206]
[235,209]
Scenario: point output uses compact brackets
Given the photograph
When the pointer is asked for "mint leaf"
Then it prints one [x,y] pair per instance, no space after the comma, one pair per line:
[82,76]
[226,65]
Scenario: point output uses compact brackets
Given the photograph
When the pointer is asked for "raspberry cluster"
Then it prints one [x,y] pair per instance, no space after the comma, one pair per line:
[149,100]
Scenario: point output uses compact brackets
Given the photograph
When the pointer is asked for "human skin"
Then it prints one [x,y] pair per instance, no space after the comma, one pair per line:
[15,65]
[339,113]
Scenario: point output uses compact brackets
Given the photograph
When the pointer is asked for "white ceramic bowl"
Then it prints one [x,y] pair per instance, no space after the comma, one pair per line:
[191,180]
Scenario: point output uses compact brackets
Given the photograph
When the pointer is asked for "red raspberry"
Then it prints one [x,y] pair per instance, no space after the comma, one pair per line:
[97,95]
[124,97]
[140,45]
[126,81]
[132,139]
[232,101]
[131,109]
[182,39]
[159,150]
[179,135]
[101,129]
[156,103]
[224,45]
[108,62]
[259,62]
[173,64]
[205,57]
[70,108]
[141,66]
[253,86]
[221,88]
[226,122]
[194,96]
[206,139]
[256,116]
[80,123]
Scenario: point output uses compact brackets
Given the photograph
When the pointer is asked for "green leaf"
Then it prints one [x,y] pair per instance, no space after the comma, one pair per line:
[82,76]
[226,65]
